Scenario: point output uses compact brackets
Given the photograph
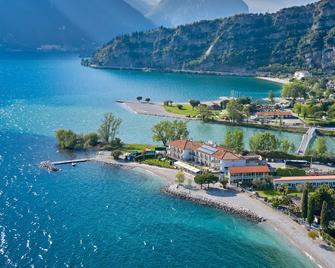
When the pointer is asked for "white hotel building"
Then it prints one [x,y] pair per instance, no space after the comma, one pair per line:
[214,157]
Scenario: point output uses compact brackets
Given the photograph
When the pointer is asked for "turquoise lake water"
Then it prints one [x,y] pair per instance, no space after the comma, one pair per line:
[98,216]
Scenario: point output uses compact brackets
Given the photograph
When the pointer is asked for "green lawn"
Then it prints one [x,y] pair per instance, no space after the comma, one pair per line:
[317,121]
[136,147]
[187,110]
[273,193]
[158,163]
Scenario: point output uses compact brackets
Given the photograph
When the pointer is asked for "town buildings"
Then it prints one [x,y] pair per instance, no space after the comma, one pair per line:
[302,74]
[315,181]
[278,114]
[247,173]
[217,159]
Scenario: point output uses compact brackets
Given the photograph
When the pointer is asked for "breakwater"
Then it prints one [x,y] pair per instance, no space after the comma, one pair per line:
[202,200]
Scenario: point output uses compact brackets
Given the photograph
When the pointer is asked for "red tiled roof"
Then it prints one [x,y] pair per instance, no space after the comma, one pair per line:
[274,113]
[223,154]
[306,178]
[249,169]
[186,144]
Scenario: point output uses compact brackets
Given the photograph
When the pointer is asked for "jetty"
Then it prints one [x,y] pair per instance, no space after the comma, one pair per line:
[306,140]
[70,162]
[52,166]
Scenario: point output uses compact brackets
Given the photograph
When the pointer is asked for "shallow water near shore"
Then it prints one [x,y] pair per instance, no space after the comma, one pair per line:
[95,215]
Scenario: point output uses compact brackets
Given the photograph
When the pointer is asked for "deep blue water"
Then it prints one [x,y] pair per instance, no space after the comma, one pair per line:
[95,215]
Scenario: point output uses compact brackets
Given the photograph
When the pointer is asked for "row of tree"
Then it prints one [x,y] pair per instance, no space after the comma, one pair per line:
[319,203]
[259,142]
[106,135]
[167,131]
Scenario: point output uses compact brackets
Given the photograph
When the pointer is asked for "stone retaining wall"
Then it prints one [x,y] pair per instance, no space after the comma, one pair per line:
[247,214]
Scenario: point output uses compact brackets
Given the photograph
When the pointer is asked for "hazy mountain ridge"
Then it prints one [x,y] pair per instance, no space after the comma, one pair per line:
[65,24]
[176,12]
[298,37]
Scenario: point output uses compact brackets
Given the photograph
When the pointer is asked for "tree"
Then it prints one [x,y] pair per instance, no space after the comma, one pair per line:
[204,112]
[321,194]
[180,177]
[109,128]
[194,103]
[139,98]
[147,100]
[324,218]
[205,178]
[295,89]
[271,96]
[247,110]
[116,154]
[234,140]
[67,139]
[200,179]
[234,111]
[264,142]
[321,147]
[91,140]
[224,103]
[304,203]
[297,108]
[310,210]
[224,182]
[166,131]
[285,146]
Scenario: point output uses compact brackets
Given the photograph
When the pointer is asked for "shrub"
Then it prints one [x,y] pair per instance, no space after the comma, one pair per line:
[180,107]
[116,154]
[313,234]
[290,172]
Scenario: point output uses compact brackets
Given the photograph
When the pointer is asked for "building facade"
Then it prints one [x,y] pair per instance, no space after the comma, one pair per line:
[215,158]
[247,173]
[315,181]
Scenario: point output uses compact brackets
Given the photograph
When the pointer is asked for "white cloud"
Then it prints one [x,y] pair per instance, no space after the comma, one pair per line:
[274,5]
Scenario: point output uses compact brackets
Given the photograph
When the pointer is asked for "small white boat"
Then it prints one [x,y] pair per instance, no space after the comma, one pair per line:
[73,164]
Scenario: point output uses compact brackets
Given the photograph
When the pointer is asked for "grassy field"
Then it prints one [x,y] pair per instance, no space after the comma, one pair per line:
[159,163]
[136,147]
[273,193]
[187,110]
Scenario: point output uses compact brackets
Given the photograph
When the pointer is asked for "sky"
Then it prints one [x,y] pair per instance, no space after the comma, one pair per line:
[265,5]
[274,5]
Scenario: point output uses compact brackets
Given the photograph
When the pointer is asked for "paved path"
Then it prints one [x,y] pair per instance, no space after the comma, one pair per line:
[316,250]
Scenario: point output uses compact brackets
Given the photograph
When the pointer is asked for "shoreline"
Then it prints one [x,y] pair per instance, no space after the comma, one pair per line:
[277,80]
[252,74]
[156,109]
[236,203]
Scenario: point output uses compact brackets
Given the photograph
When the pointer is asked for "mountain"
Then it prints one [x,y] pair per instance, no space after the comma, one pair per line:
[65,24]
[141,5]
[102,20]
[34,23]
[293,38]
[175,12]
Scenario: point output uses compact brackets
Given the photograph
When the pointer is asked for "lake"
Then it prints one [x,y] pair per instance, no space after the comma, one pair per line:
[98,216]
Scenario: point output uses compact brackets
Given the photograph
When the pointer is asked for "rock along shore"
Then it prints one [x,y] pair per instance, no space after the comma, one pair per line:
[172,190]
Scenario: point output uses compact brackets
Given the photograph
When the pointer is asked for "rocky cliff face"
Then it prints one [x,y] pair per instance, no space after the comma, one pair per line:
[293,38]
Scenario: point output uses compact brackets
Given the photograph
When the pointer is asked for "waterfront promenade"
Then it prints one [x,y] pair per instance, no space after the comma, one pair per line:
[316,250]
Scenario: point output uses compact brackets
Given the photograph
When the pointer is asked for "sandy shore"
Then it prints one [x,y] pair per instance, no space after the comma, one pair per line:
[274,79]
[153,109]
[316,250]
